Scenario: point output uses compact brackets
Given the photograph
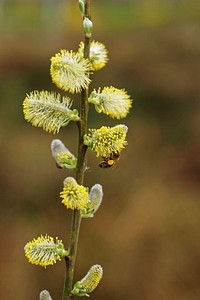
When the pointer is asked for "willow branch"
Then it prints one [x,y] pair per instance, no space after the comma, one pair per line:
[76,217]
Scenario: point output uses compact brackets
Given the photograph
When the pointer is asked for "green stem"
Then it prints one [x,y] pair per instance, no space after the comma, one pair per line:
[81,165]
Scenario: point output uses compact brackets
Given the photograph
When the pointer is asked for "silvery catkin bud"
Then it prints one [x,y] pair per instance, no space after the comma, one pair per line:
[44,295]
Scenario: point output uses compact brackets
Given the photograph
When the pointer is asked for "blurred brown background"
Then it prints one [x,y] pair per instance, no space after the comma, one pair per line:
[146,234]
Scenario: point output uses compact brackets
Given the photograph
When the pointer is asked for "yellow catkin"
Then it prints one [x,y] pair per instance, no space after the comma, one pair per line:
[92,278]
[69,71]
[107,140]
[74,196]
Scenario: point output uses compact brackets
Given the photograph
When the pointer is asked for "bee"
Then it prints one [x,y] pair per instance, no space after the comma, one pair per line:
[110,161]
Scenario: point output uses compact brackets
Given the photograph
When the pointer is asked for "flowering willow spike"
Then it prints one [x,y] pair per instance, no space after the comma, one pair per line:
[74,196]
[107,141]
[87,25]
[95,199]
[89,282]
[48,110]
[111,101]
[45,295]
[68,71]
[43,251]
[98,54]
[63,157]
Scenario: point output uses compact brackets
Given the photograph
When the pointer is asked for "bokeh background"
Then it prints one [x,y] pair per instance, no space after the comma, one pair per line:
[146,234]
